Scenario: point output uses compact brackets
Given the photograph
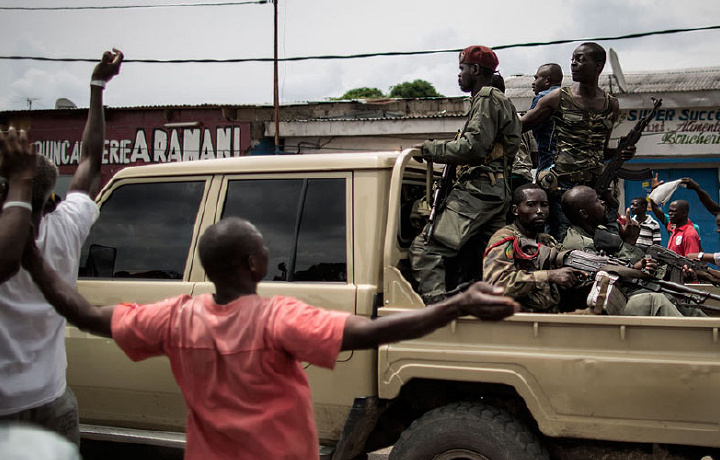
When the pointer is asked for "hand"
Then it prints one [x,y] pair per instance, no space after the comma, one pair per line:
[17,155]
[647,265]
[629,228]
[109,66]
[654,182]
[485,302]
[627,153]
[689,183]
[566,276]
[688,274]
[693,256]
[419,155]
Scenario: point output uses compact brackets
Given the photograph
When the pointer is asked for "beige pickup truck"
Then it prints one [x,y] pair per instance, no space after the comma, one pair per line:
[338,228]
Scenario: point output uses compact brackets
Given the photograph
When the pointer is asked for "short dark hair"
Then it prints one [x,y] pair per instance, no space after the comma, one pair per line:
[519,193]
[498,82]
[555,73]
[639,198]
[485,72]
[597,52]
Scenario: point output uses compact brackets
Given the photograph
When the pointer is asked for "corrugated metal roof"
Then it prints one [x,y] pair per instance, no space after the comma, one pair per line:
[671,81]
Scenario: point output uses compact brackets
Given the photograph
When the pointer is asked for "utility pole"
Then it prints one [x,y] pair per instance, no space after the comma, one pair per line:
[276,92]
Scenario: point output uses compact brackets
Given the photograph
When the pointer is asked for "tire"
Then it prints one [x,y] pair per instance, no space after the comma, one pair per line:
[466,430]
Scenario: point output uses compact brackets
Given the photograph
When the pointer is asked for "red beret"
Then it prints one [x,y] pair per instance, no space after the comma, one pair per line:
[480,55]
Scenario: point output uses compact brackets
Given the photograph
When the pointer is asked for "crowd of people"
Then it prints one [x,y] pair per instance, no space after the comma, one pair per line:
[236,351]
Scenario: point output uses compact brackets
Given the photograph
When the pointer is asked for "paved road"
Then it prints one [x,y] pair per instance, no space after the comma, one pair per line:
[98,450]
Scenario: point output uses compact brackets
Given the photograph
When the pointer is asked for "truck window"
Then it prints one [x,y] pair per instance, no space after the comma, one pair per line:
[144,231]
[302,221]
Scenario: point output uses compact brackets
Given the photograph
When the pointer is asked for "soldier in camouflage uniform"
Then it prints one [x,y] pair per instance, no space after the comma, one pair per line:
[477,202]
[584,116]
[519,257]
[587,214]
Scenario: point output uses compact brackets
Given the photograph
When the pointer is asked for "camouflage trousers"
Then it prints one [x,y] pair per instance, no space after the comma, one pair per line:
[465,216]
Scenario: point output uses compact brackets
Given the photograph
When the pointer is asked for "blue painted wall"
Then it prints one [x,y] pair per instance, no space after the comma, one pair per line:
[707,177]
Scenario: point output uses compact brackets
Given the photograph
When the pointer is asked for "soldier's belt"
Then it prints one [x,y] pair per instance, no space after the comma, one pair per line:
[584,177]
[492,176]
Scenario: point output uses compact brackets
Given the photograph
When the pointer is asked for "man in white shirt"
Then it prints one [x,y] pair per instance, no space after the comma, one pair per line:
[32,335]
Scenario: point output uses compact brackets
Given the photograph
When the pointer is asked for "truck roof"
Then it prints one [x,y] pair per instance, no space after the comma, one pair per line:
[268,163]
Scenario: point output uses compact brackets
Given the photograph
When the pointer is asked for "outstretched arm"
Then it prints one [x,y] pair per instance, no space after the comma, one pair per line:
[17,165]
[704,196]
[87,175]
[66,300]
[542,111]
[481,300]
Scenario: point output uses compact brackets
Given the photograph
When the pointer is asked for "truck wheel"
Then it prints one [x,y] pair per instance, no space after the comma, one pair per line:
[466,430]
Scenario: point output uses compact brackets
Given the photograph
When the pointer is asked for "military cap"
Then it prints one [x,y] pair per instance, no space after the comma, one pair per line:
[480,55]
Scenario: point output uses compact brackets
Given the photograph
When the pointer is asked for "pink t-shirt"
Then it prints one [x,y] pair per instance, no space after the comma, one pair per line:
[238,366]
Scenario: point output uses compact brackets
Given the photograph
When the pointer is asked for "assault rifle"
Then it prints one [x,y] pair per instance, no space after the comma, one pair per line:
[614,168]
[675,263]
[442,188]
[592,263]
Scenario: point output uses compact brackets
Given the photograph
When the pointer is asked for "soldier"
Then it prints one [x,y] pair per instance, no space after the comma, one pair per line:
[588,216]
[477,203]
[519,255]
[584,116]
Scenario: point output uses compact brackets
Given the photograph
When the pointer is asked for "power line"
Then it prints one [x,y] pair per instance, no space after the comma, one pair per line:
[364,55]
[125,7]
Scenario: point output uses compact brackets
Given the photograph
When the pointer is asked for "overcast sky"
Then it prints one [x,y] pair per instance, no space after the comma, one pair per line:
[323,27]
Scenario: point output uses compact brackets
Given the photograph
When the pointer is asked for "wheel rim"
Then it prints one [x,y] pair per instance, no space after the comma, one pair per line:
[457,454]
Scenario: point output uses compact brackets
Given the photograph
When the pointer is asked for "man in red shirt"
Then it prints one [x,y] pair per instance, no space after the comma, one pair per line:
[237,356]
[684,239]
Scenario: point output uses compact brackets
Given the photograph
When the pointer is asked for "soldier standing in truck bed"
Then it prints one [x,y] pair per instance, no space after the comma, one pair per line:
[584,115]
[478,201]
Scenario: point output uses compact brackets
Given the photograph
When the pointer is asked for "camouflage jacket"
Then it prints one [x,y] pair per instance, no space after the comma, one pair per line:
[581,134]
[521,265]
[522,165]
[492,119]
[577,238]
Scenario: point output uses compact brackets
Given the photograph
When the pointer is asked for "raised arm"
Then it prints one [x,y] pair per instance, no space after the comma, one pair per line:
[65,298]
[481,300]
[17,165]
[87,175]
[704,196]
[654,183]
[542,111]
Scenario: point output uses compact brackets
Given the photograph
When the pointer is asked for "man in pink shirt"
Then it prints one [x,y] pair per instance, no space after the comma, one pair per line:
[236,356]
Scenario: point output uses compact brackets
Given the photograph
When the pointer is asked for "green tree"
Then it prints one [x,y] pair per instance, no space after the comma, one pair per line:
[417,88]
[360,93]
